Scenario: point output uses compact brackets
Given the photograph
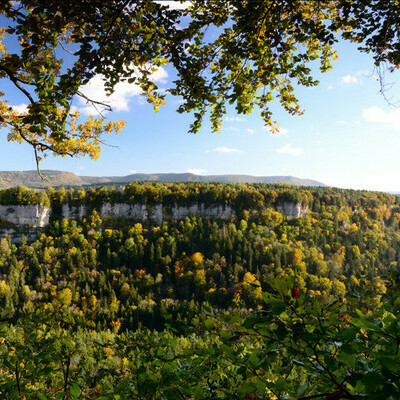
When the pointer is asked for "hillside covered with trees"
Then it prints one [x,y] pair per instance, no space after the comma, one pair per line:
[31,179]
[120,305]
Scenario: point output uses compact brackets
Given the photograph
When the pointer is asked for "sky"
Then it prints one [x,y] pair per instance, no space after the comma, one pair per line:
[348,137]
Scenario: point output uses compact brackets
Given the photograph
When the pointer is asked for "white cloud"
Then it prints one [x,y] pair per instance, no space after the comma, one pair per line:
[235,119]
[250,131]
[119,100]
[230,129]
[224,149]
[349,80]
[20,108]
[288,149]
[132,171]
[354,79]
[175,5]
[380,116]
[349,123]
[196,171]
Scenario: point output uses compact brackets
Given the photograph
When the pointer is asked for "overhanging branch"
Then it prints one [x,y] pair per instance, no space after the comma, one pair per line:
[16,81]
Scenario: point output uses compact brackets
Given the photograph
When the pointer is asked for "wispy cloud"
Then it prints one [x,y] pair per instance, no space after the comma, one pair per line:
[355,79]
[230,129]
[235,119]
[349,123]
[288,149]
[197,171]
[224,149]
[378,115]
[119,100]
[349,80]
[132,171]
[250,131]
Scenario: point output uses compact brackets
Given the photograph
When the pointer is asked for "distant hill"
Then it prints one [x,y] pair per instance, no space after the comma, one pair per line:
[62,178]
[32,179]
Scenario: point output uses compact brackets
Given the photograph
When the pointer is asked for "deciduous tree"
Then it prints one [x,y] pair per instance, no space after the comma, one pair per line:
[257,52]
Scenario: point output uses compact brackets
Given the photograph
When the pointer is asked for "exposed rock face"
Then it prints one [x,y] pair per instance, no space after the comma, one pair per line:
[153,212]
[72,212]
[221,211]
[292,210]
[139,211]
[16,235]
[34,215]
[37,216]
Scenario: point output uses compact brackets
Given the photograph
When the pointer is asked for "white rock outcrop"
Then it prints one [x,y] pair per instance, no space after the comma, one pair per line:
[220,211]
[155,212]
[70,211]
[292,210]
[37,216]
[34,215]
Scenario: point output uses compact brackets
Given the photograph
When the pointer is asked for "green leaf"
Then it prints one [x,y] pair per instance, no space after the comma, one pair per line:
[254,360]
[362,322]
[75,390]
[389,323]
[209,324]
[349,333]
[390,362]
[372,380]
[349,359]
[281,384]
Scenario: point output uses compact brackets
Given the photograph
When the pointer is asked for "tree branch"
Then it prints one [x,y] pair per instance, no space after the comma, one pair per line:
[38,166]
[37,145]
[94,101]
[64,48]
[16,81]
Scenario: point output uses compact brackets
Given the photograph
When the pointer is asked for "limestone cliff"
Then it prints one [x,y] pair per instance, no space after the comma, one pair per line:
[156,212]
[34,215]
[28,219]
[292,210]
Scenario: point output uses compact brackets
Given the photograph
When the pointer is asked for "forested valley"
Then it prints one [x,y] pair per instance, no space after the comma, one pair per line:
[255,306]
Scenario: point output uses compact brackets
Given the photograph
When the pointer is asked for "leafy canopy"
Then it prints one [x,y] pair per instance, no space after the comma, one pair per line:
[258,51]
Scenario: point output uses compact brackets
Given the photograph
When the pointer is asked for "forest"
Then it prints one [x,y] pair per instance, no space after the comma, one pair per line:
[255,306]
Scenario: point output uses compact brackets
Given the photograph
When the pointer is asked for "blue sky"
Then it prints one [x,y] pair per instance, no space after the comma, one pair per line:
[348,137]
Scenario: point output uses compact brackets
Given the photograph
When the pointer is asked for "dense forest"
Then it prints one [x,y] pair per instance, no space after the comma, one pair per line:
[255,306]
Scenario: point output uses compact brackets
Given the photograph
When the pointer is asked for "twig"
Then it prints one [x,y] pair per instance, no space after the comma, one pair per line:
[38,166]
[94,101]
[16,81]
[64,48]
